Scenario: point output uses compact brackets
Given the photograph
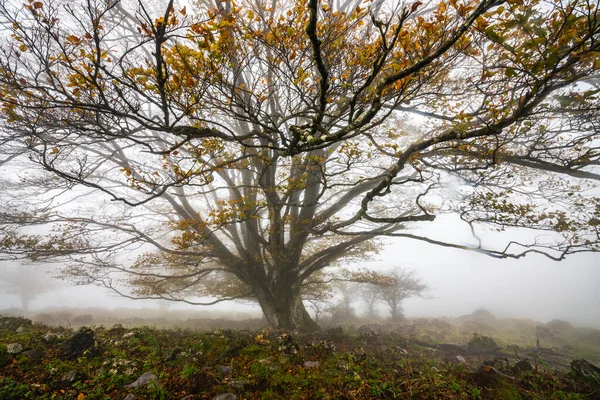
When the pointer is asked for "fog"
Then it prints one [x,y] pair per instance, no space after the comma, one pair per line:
[533,287]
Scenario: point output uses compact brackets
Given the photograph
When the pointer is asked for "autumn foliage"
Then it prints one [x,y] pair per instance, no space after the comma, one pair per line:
[241,149]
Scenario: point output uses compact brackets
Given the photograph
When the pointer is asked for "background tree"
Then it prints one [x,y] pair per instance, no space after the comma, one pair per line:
[237,149]
[27,281]
[406,284]
[342,310]
[370,296]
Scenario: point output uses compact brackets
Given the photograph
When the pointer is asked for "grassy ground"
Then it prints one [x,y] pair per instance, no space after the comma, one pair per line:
[410,362]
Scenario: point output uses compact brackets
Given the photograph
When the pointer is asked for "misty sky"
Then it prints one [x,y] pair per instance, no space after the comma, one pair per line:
[532,287]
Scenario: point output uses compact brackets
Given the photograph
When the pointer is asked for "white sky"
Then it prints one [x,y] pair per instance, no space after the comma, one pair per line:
[532,287]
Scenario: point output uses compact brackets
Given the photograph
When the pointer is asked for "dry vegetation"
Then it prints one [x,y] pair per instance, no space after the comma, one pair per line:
[472,357]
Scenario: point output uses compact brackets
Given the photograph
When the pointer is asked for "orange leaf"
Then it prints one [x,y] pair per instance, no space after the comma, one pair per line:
[73,39]
[37,5]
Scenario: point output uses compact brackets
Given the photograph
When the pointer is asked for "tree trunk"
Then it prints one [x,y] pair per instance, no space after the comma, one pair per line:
[24,301]
[285,310]
[396,313]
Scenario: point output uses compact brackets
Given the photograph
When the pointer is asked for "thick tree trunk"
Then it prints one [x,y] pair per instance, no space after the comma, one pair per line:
[285,310]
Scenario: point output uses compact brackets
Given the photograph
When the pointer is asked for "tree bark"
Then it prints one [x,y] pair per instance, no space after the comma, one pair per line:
[286,310]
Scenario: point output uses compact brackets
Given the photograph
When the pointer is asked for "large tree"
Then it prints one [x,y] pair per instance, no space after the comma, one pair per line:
[240,149]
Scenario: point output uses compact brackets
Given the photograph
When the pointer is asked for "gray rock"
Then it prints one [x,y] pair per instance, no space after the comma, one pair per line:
[79,343]
[369,331]
[50,337]
[312,364]
[129,396]
[145,379]
[70,377]
[14,322]
[225,396]
[226,370]
[14,348]
[20,329]
[236,384]
[34,354]
[172,355]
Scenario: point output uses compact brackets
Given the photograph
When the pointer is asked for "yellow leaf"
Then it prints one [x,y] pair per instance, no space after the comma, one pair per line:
[23,47]
[73,39]
[37,5]
[81,396]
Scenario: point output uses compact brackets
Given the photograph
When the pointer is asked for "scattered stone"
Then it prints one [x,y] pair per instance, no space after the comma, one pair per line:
[461,359]
[50,337]
[82,341]
[34,354]
[239,385]
[312,364]
[128,335]
[172,355]
[20,329]
[370,331]
[226,370]
[129,396]
[584,368]
[225,396]
[145,379]
[70,377]
[14,322]
[14,348]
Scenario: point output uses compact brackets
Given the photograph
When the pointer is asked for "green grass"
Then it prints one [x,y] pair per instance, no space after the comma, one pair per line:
[188,362]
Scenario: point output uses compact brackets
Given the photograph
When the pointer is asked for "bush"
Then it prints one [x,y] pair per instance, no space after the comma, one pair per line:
[482,344]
